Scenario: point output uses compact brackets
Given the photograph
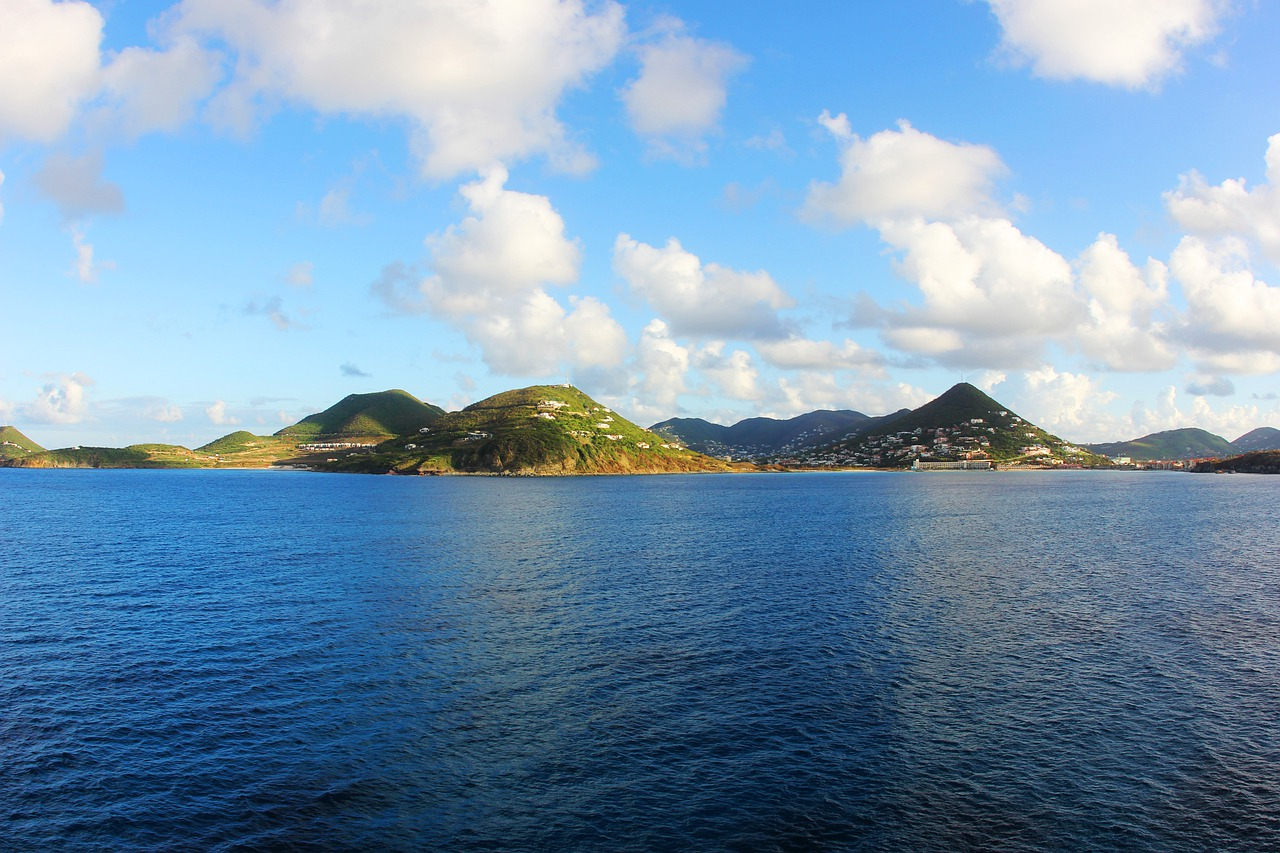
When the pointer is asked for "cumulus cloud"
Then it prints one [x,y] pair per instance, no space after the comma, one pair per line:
[62,400]
[490,274]
[662,364]
[162,411]
[49,65]
[218,415]
[1134,45]
[1066,404]
[991,294]
[701,300]
[1231,209]
[680,93]
[1124,330]
[1233,317]
[478,83]
[733,375]
[798,353]
[902,173]
[158,90]
[52,69]
[76,185]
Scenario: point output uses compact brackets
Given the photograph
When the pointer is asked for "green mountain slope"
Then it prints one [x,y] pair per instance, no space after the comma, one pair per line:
[383,413]
[755,438]
[14,444]
[544,429]
[133,456]
[1262,438]
[1188,443]
[963,423]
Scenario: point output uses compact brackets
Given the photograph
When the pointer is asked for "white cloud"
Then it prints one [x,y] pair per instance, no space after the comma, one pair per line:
[903,173]
[1231,209]
[1230,422]
[680,93]
[1068,405]
[150,90]
[76,185]
[1123,331]
[217,414]
[49,65]
[797,353]
[86,267]
[701,300]
[1233,317]
[992,295]
[594,338]
[165,413]
[663,366]
[63,400]
[478,83]
[512,242]
[733,375]
[1134,44]
[490,277]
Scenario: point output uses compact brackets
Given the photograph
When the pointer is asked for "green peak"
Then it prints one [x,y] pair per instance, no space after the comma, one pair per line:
[381,413]
[13,442]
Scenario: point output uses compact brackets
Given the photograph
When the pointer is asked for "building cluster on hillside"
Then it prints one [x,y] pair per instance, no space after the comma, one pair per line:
[334,445]
[969,441]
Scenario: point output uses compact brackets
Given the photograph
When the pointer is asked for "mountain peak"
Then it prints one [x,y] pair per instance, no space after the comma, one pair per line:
[382,413]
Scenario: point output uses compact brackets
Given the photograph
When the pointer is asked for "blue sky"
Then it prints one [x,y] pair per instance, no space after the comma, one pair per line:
[228,214]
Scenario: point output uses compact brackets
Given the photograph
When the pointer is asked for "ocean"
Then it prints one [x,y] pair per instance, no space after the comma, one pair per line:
[241,660]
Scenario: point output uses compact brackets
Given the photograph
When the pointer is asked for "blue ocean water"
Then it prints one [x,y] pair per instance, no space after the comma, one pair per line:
[945,661]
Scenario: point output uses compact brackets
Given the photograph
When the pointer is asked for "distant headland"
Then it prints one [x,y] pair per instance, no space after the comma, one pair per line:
[559,430]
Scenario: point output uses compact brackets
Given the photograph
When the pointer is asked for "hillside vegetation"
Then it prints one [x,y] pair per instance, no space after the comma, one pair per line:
[1262,438]
[133,456]
[544,429]
[13,444]
[383,413]
[756,438]
[1170,444]
[964,423]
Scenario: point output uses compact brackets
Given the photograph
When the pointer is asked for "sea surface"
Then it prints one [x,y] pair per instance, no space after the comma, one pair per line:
[220,660]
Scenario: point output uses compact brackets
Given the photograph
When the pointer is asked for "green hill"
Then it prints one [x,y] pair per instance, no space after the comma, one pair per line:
[1262,438]
[963,423]
[383,413]
[133,456]
[544,429]
[1188,443]
[756,438]
[14,444]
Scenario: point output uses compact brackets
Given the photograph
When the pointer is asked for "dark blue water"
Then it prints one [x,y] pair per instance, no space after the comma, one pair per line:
[255,660]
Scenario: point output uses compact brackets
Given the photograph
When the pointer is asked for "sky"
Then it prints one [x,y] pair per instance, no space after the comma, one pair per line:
[228,214]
